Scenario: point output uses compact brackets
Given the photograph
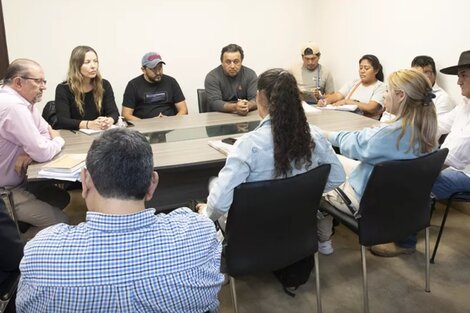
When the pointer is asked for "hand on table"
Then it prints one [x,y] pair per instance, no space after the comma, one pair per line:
[322,103]
[341,102]
[53,133]
[241,107]
[100,123]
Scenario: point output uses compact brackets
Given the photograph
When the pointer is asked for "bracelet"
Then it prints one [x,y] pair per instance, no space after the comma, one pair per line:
[87,124]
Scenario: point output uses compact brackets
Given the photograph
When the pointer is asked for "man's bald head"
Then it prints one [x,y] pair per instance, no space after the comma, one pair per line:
[26,77]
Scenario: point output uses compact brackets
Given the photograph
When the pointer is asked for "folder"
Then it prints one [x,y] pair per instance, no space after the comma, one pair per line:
[67,163]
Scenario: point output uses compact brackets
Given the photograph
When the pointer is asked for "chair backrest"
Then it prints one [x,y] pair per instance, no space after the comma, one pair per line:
[396,201]
[12,244]
[272,224]
[202,101]
[49,114]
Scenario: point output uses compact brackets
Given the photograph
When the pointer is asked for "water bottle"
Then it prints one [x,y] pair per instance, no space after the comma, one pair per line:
[121,122]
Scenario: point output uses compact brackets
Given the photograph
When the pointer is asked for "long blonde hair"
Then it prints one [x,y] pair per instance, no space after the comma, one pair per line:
[416,110]
[75,79]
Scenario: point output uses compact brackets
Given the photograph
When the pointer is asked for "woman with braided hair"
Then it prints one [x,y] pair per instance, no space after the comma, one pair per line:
[283,145]
[411,134]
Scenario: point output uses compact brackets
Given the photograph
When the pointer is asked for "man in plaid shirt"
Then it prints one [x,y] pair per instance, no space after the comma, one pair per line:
[124,258]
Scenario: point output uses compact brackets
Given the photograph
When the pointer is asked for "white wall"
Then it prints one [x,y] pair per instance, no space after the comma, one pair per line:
[395,31]
[190,33]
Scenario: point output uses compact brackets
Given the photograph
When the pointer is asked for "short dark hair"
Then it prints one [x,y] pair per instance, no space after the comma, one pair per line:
[231,48]
[374,61]
[120,162]
[422,61]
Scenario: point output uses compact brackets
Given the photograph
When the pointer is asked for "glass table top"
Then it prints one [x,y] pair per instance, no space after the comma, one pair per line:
[200,132]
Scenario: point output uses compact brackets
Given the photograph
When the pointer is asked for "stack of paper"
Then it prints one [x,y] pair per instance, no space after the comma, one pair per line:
[73,176]
[66,167]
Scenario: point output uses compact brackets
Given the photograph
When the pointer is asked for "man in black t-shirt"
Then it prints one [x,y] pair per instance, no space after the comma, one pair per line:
[153,94]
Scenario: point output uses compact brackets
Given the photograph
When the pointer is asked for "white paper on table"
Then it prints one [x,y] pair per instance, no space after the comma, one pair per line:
[310,108]
[93,131]
[73,176]
[346,107]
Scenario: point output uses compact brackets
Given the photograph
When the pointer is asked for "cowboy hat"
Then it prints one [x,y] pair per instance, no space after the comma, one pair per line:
[464,61]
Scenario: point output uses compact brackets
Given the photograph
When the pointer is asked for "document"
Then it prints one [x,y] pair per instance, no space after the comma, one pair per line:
[68,176]
[309,108]
[94,131]
[346,107]
[89,131]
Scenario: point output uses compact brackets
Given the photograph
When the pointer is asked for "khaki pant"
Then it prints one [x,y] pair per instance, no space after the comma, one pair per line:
[39,214]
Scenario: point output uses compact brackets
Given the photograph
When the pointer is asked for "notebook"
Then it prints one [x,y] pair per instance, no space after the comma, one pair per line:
[67,163]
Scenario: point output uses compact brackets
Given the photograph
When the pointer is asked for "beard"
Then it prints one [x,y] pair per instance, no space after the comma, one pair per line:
[37,98]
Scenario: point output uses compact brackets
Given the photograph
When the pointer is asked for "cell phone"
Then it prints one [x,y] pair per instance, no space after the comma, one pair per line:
[229,140]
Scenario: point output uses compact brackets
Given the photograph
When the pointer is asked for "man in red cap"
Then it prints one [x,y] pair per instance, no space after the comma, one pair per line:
[153,94]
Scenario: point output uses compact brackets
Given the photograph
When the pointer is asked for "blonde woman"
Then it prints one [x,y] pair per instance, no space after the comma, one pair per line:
[85,99]
[411,134]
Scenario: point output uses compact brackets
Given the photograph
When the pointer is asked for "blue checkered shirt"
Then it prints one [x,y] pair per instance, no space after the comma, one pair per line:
[139,262]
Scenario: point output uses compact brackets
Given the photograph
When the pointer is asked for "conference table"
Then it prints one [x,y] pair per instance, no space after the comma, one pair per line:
[182,156]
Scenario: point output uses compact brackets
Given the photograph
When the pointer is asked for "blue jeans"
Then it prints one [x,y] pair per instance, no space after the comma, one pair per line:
[409,242]
[450,181]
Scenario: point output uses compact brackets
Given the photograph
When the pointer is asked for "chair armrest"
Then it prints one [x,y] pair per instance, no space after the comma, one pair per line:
[9,285]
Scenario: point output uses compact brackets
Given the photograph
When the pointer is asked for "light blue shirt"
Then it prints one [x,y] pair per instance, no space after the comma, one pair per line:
[139,262]
[252,159]
[372,146]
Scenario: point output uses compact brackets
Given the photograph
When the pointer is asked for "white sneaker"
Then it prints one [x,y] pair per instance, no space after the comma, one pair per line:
[325,247]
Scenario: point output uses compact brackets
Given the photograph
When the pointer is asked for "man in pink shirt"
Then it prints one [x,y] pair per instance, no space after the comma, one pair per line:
[25,136]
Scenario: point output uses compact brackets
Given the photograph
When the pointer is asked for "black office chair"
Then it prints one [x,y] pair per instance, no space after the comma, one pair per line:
[456,197]
[8,291]
[396,203]
[202,101]
[7,201]
[9,283]
[272,224]
[49,114]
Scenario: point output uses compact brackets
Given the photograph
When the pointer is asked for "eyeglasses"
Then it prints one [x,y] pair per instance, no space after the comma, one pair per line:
[38,81]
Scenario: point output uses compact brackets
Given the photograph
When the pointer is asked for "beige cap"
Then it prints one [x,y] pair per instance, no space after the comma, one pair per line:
[310,45]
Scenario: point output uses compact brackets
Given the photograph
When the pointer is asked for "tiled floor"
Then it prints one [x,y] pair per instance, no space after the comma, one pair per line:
[395,284]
